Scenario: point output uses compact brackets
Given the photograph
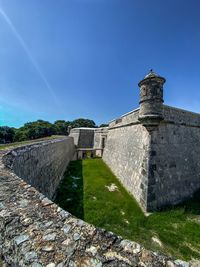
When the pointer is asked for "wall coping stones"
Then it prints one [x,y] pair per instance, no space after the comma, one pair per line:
[181,110]
[35,232]
[126,114]
[171,115]
[24,147]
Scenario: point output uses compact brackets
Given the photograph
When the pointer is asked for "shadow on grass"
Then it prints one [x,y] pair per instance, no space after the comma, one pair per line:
[70,192]
[190,205]
[84,193]
[70,195]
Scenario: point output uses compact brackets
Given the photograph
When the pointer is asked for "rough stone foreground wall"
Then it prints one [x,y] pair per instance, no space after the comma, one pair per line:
[175,160]
[35,232]
[42,165]
[127,154]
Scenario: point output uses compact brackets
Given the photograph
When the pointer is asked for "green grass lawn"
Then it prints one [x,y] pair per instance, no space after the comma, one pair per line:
[83,192]
[16,144]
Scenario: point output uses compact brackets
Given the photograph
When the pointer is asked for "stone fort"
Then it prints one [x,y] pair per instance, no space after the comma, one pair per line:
[154,152]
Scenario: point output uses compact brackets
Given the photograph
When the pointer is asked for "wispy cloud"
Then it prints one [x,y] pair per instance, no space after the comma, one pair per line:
[28,53]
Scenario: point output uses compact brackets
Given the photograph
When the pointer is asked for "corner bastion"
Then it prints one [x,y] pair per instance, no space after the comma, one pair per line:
[159,166]
[35,232]
[153,150]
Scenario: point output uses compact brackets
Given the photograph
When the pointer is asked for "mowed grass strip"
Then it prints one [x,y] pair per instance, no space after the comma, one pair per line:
[91,192]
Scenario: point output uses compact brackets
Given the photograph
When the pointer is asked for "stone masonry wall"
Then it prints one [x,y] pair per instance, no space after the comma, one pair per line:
[35,232]
[83,137]
[126,119]
[181,116]
[98,135]
[42,165]
[86,138]
[158,167]
[126,153]
[175,159]
[75,134]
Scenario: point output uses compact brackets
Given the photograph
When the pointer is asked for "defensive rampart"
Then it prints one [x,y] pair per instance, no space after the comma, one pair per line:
[158,165]
[42,165]
[174,173]
[127,154]
[155,150]
[36,232]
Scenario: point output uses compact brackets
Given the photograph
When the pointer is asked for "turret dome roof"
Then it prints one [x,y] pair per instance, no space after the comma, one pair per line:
[151,74]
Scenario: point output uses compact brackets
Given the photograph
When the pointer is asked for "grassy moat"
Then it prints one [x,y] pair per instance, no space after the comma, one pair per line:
[91,192]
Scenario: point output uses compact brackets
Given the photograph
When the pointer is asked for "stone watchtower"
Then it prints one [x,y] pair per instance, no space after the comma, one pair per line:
[151,99]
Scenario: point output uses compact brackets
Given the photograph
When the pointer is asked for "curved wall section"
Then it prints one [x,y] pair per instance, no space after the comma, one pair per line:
[35,232]
[42,165]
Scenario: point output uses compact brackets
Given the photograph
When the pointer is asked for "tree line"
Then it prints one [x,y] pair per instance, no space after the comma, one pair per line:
[41,128]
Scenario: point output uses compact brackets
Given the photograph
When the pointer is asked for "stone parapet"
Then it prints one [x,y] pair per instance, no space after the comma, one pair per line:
[181,116]
[42,164]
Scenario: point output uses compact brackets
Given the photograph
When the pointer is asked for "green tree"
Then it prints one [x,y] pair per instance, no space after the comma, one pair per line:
[61,127]
[103,125]
[6,134]
[41,128]
[20,135]
[83,123]
[33,130]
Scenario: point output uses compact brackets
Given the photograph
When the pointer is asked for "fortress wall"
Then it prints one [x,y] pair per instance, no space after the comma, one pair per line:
[86,138]
[180,116]
[42,165]
[98,134]
[97,139]
[174,163]
[160,167]
[75,134]
[35,232]
[126,153]
[128,118]
[83,137]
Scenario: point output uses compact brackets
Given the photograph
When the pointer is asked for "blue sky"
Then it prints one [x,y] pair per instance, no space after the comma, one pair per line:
[65,59]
